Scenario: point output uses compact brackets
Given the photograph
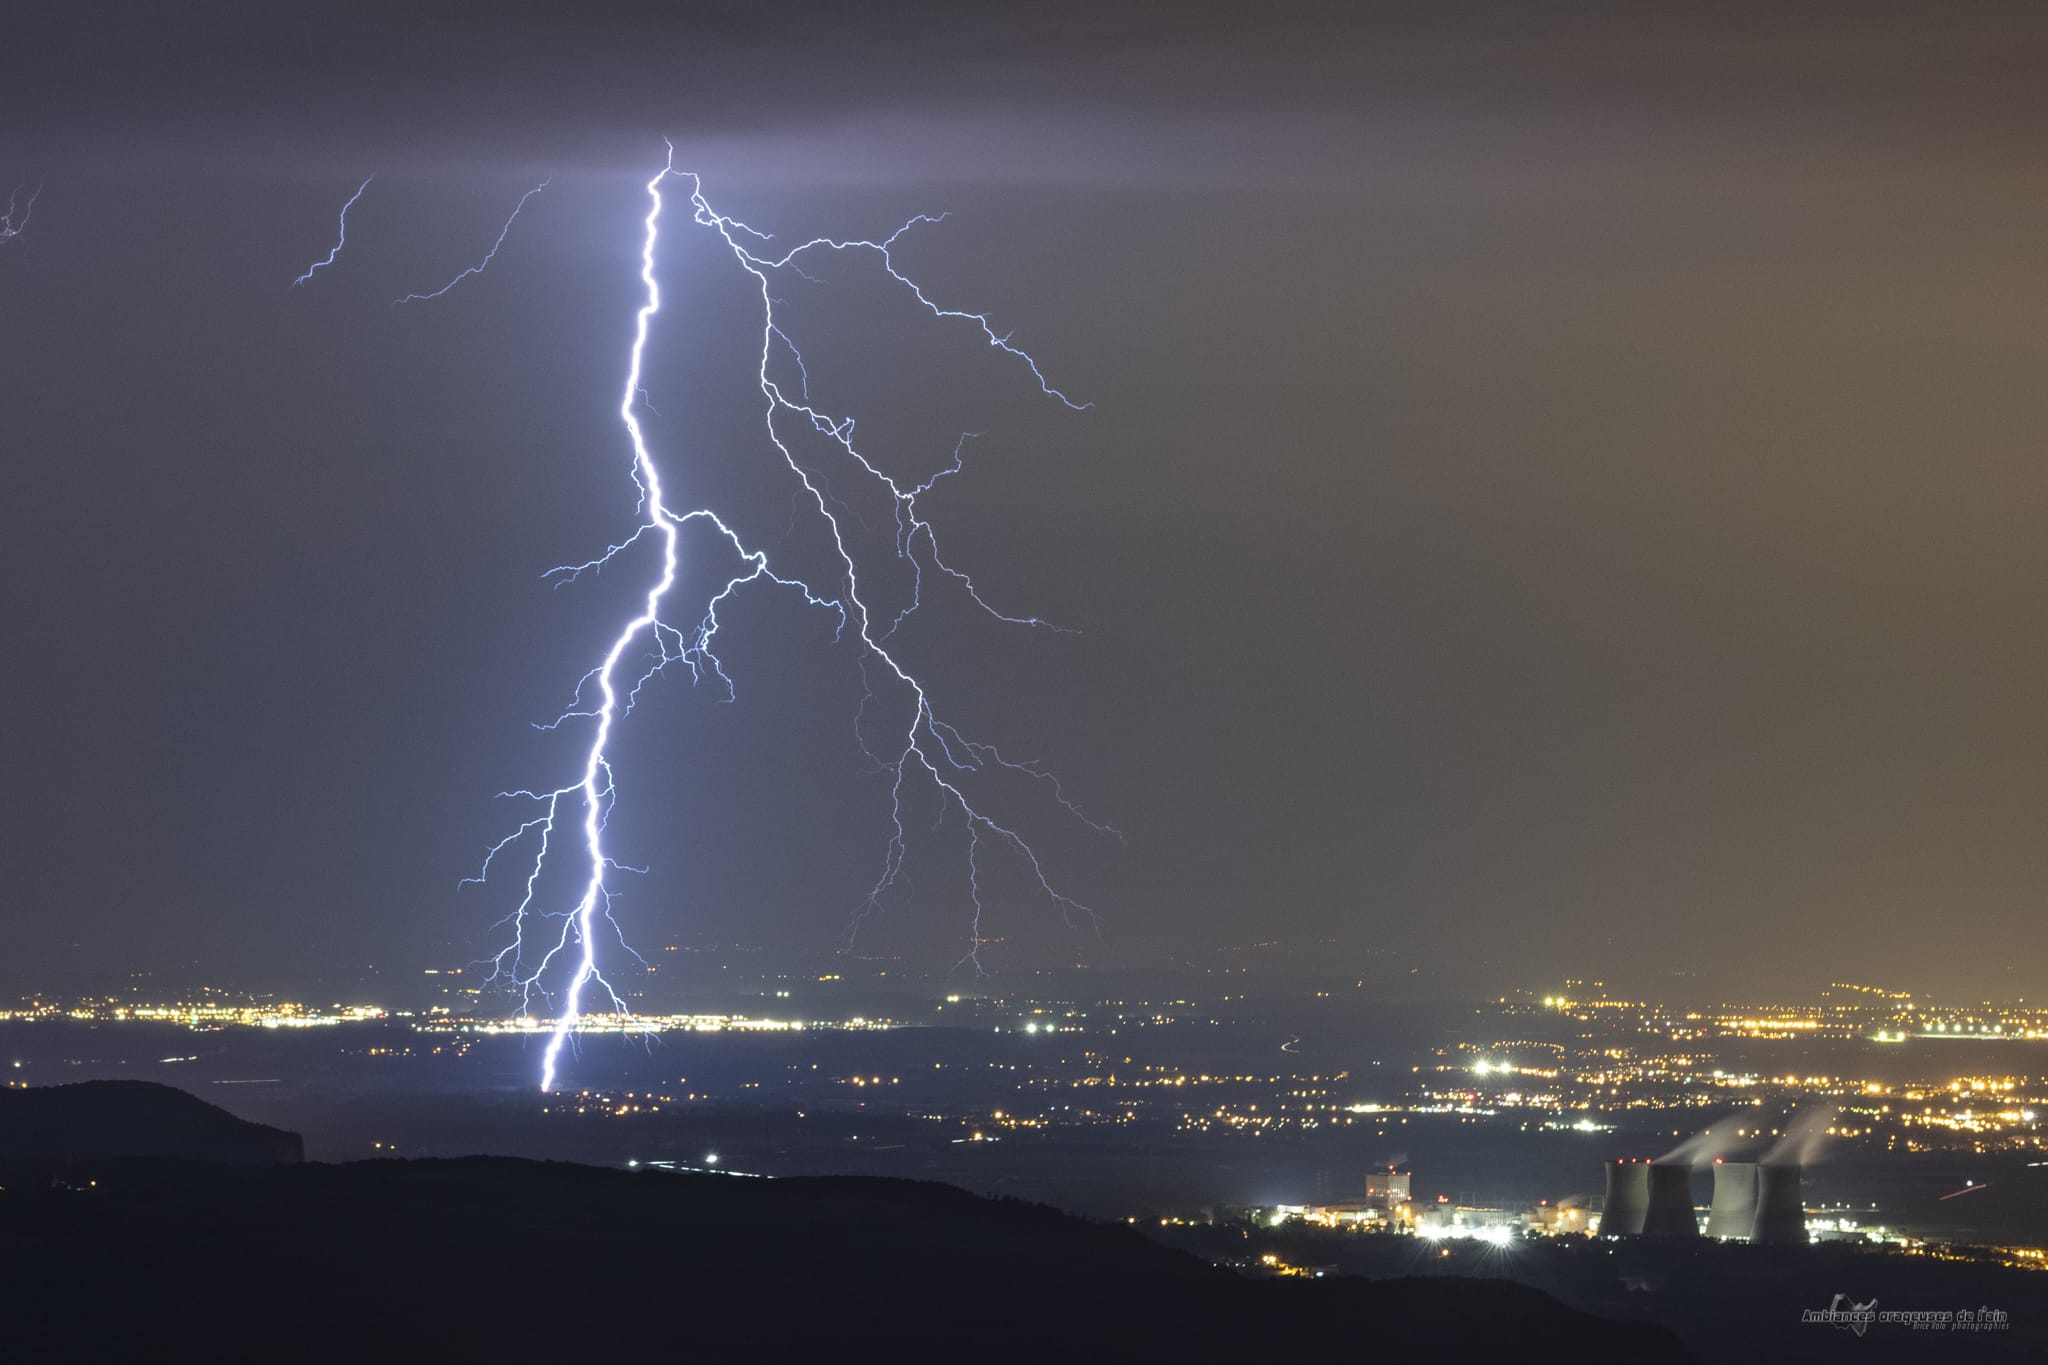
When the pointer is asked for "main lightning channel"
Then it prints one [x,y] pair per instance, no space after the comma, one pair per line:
[928,747]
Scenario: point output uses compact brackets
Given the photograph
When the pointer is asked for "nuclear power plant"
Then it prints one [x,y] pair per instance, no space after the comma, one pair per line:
[1752,1202]
[1670,1212]
[1780,1212]
[1732,1215]
[1628,1198]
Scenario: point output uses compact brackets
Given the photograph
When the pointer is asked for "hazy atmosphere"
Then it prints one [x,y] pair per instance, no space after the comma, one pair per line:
[1561,495]
[1125,681]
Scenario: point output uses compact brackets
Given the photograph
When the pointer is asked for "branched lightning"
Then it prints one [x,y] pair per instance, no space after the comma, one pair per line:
[10,229]
[926,748]
[341,240]
[478,268]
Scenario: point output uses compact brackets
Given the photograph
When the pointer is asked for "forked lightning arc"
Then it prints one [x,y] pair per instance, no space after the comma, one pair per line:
[558,955]
[10,226]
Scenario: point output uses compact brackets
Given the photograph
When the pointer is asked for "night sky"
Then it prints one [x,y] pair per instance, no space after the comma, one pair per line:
[1563,496]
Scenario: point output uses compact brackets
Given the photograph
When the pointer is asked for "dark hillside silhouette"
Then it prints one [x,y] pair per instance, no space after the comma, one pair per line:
[95,1120]
[144,1253]
[495,1258]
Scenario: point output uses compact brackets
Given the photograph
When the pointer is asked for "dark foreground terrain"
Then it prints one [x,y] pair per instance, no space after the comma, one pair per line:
[96,1120]
[147,1257]
[491,1257]
[1725,1301]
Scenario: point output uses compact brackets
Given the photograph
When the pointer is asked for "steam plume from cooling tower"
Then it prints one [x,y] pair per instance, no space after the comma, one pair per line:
[1803,1137]
[1716,1139]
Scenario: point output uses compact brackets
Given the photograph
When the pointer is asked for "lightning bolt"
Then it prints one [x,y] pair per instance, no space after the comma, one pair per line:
[926,748]
[341,240]
[9,229]
[478,268]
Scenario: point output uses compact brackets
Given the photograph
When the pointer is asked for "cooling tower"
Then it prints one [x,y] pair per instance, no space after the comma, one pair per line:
[1733,1212]
[1670,1212]
[1780,1214]
[1628,1198]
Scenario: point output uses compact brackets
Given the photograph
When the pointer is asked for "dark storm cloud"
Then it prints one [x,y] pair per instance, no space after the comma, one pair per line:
[428,86]
[1563,496]
[1105,91]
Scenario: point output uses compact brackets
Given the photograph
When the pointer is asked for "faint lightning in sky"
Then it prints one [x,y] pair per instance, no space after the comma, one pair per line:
[9,228]
[478,268]
[558,954]
[342,239]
